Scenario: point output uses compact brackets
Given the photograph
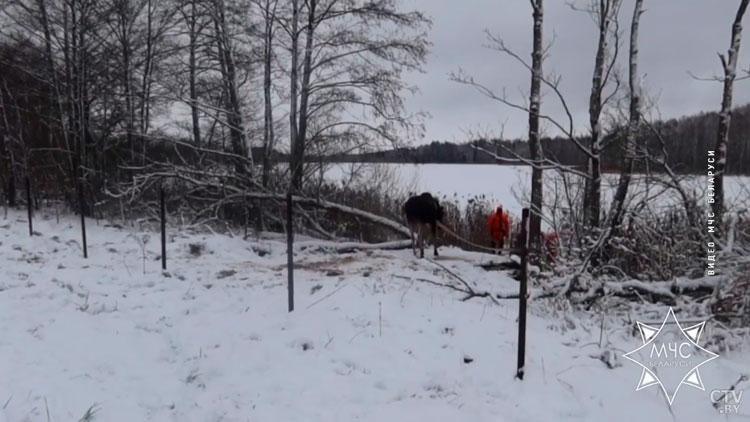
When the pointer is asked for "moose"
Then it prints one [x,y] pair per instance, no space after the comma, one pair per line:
[423,210]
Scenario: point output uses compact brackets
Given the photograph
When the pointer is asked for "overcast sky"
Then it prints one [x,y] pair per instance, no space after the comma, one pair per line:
[676,37]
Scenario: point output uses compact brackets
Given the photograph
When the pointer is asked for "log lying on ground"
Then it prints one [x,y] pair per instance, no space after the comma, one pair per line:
[503,265]
[344,247]
[664,291]
[668,289]
[514,294]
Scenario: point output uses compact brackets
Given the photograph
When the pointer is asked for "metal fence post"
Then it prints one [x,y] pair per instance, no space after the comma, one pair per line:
[82,206]
[522,296]
[290,250]
[29,205]
[163,228]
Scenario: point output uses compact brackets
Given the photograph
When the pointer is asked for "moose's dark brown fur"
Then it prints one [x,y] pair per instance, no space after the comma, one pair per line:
[423,210]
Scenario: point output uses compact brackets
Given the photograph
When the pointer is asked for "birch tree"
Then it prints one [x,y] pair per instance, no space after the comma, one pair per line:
[536,159]
[535,144]
[605,13]
[634,120]
[729,65]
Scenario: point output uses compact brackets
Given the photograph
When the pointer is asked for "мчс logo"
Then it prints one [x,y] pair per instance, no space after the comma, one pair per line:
[670,356]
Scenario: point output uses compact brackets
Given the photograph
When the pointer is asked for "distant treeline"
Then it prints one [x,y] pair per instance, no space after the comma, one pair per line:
[686,141]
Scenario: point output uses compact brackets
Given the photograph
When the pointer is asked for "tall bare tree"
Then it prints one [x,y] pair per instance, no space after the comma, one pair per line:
[224,41]
[536,158]
[294,90]
[347,91]
[194,23]
[628,160]
[88,81]
[159,17]
[269,9]
[606,13]
[303,121]
[123,17]
[729,65]
[535,144]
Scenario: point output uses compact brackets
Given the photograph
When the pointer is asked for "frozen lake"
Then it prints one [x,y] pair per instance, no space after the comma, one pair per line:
[500,184]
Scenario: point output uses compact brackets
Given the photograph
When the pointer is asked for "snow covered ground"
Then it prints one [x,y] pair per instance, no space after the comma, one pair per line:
[370,340]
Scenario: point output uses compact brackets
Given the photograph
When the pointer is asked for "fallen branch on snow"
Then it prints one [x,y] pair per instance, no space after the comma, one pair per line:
[344,247]
[470,293]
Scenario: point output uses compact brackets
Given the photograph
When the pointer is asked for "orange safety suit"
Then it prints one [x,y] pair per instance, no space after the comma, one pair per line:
[499,226]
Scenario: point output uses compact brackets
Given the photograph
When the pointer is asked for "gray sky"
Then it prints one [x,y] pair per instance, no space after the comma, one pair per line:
[676,37]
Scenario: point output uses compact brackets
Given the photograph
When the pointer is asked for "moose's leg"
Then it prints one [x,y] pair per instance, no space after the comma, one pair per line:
[413,240]
[434,237]
[421,240]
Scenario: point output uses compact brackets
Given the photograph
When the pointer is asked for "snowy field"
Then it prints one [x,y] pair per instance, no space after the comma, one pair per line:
[500,184]
[211,339]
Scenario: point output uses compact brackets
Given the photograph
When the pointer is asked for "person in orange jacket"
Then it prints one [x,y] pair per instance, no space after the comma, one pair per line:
[499,227]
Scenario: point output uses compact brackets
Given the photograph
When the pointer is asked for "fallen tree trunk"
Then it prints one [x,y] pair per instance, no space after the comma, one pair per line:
[345,247]
[514,294]
[235,193]
[328,205]
[663,291]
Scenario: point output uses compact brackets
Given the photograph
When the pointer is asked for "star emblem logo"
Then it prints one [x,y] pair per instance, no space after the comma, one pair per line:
[670,356]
